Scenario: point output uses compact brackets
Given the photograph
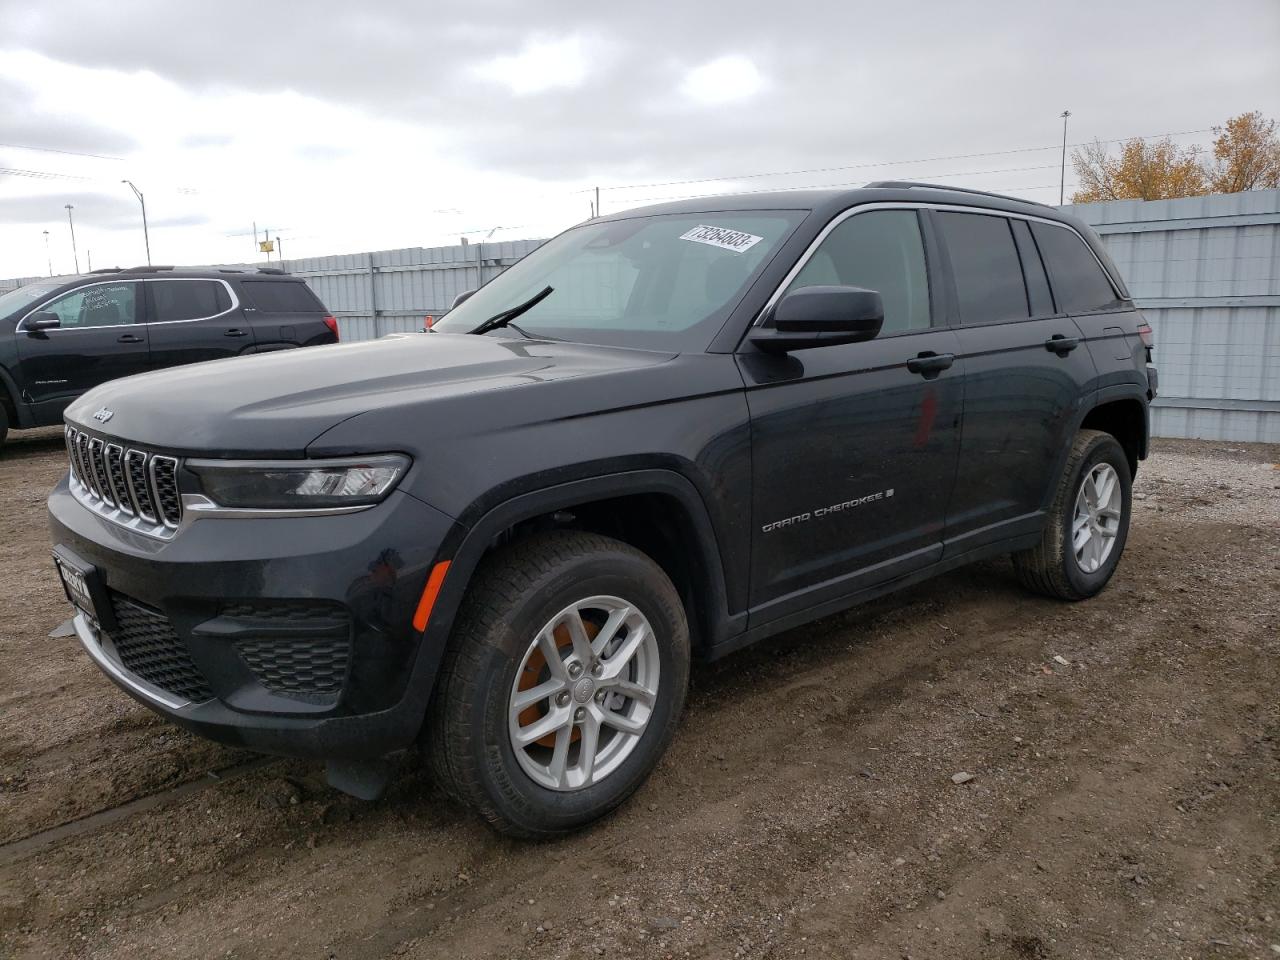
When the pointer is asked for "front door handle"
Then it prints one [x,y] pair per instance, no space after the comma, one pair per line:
[1061,345]
[930,364]
[236,332]
[129,338]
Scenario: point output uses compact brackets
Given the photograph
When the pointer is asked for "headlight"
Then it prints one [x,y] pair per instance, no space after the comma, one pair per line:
[300,484]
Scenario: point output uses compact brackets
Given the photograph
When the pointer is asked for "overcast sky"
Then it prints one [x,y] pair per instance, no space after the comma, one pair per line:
[346,127]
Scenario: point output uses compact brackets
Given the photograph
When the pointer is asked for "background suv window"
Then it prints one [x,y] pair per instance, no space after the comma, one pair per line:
[281,296]
[1079,285]
[101,305]
[188,299]
[880,250]
[987,270]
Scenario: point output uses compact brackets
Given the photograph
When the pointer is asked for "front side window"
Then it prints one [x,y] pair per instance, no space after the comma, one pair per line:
[664,282]
[100,305]
[879,250]
[1079,283]
[188,299]
[987,270]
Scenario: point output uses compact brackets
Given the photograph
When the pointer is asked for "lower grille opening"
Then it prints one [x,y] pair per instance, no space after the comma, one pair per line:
[310,662]
[147,647]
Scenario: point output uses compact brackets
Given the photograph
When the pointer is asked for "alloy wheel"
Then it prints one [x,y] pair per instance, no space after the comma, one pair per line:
[584,693]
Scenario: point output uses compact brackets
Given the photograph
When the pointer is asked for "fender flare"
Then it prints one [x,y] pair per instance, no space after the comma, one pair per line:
[21,415]
[466,545]
[1103,395]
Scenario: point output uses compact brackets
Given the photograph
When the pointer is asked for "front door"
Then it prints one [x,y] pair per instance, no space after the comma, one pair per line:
[854,447]
[98,339]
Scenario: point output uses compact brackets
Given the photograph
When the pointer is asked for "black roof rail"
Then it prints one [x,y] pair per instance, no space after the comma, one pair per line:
[909,184]
[276,271]
[146,269]
[105,270]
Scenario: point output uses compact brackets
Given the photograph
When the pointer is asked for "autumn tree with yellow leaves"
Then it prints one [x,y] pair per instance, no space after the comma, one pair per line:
[1246,156]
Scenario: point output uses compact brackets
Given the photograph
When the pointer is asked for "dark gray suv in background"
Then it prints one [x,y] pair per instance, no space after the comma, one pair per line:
[665,434]
[65,335]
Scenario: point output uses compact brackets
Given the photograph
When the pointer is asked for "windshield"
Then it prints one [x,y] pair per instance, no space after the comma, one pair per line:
[664,282]
[15,300]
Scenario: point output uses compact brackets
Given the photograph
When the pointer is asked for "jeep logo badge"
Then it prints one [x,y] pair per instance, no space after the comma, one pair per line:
[103,415]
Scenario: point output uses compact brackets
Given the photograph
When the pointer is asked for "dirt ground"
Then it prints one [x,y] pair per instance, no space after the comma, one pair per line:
[1125,799]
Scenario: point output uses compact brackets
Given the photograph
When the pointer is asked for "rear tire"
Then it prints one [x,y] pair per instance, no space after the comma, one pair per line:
[4,424]
[514,638]
[1083,539]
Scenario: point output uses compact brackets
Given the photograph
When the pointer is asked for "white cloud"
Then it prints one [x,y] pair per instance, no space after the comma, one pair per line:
[540,66]
[723,80]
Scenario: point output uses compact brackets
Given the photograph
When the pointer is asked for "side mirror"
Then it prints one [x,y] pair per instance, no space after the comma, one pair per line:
[42,321]
[820,317]
[461,298]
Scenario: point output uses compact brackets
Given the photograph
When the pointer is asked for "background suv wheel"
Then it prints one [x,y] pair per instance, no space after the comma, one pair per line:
[562,684]
[1088,522]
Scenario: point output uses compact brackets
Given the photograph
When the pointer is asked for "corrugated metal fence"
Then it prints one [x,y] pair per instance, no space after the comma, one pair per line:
[1206,272]
[390,291]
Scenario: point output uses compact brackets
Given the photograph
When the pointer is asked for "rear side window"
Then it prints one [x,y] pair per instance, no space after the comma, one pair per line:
[987,270]
[281,296]
[1079,284]
[880,250]
[1032,270]
[188,299]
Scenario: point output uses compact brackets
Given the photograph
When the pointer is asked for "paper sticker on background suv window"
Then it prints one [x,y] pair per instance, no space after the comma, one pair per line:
[722,237]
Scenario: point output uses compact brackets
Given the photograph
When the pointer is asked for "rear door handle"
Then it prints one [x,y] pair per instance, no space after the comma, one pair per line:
[1061,345]
[129,338]
[930,364]
[236,332]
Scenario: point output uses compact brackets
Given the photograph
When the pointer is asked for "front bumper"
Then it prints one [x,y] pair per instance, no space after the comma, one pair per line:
[286,635]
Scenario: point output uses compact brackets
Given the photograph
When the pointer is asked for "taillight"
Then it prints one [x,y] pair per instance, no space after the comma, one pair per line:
[332,324]
[1144,331]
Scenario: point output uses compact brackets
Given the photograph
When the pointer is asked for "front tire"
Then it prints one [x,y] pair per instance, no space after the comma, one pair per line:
[1088,522]
[562,684]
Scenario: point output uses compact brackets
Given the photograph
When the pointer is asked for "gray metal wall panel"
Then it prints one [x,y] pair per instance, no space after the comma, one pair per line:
[1219,356]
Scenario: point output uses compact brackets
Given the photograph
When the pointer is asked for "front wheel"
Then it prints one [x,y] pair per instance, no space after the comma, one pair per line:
[1088,522]
[562,684]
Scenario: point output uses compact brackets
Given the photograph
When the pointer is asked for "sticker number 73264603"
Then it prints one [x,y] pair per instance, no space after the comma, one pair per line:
[722,237]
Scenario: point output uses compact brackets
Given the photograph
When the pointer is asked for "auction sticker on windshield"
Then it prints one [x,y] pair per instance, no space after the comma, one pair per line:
[722,237]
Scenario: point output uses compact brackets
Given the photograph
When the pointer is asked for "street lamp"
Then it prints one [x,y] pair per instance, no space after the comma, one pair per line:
[74,254]
[1062,184]
[142,200]
[47,252]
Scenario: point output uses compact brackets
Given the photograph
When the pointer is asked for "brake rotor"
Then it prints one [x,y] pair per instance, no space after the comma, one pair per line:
[536,672]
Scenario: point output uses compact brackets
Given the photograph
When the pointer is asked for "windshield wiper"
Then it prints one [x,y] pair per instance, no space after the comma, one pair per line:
[506,316]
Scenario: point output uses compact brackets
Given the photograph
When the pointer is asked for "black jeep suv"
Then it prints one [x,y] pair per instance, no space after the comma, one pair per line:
[65,335]
[666,433]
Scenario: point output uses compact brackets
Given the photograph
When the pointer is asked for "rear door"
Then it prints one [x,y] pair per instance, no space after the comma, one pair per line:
[192,320]
[284,313]
[99,338]
[854,451]
[1026,378]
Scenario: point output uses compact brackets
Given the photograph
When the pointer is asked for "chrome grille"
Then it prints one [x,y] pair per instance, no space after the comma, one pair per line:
[133,487]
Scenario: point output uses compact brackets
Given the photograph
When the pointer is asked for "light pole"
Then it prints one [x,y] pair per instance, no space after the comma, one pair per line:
[74,254]
[47,252]
[142,200]
[1062,184]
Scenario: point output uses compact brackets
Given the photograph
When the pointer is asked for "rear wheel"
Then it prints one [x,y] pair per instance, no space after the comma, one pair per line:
[1088,522]
[562,684]
[4,423]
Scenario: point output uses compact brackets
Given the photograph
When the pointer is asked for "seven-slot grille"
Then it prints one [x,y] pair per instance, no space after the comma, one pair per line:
[134,482]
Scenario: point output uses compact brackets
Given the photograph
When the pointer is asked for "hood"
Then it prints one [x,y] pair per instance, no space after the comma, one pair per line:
[277,403]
